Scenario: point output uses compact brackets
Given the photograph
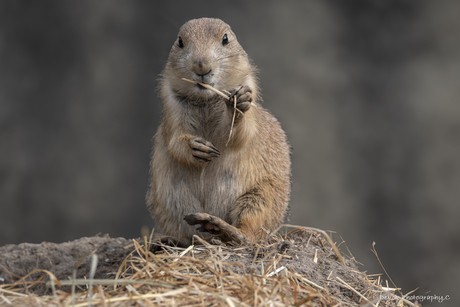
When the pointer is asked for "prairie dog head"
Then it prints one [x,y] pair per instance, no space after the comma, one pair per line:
[206,50]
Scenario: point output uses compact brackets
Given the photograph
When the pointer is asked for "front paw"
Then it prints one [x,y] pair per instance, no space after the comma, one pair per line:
[243,96]
[202,150]
[206,221]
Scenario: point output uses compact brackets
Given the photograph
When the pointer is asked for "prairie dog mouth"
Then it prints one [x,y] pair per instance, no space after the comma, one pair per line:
[202,88]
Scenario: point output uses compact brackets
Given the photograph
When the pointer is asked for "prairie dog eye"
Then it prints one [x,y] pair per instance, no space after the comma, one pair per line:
[225,40]
[181,43]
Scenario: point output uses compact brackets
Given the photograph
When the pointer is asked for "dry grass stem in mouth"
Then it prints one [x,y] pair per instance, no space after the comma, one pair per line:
[209,87]
[228,97]
[233,121]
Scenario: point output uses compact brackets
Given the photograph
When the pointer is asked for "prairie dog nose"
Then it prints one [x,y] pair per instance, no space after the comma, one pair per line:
[201,66]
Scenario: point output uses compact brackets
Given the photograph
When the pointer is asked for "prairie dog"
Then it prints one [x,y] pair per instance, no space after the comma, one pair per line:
[238,189]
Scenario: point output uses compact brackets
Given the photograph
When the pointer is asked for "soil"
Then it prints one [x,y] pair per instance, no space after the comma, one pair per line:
[308,254]
[17,261]
[304,252]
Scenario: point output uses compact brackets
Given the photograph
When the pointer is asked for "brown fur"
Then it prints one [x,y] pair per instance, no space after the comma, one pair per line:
[248,184]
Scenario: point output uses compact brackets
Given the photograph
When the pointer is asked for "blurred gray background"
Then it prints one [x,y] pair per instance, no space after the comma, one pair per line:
[367,92]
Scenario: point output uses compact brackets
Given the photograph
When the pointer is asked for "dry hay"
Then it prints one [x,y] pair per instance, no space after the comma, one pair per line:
[300,268]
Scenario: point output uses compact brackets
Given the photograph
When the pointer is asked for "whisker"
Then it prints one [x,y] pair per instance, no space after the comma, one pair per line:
[229,67]
[226,57]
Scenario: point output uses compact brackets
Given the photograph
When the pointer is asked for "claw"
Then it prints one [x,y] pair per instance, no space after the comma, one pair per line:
[235,91]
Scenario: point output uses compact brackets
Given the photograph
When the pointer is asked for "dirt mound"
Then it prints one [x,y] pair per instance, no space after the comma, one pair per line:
[17,261]
[293,269]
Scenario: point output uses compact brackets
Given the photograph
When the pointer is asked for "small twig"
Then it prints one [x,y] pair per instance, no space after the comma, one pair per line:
[352,289]
[101,294]
[53,286]
[74,277]
[373,250]
[209,87]
[276,271]
[233,120]
[106,282]
[13,293]
[92,271]
[184,252]
[304,279]
[336,250]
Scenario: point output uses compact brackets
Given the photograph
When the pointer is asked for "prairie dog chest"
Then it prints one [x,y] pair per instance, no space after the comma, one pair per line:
[217,185]
[209,120]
